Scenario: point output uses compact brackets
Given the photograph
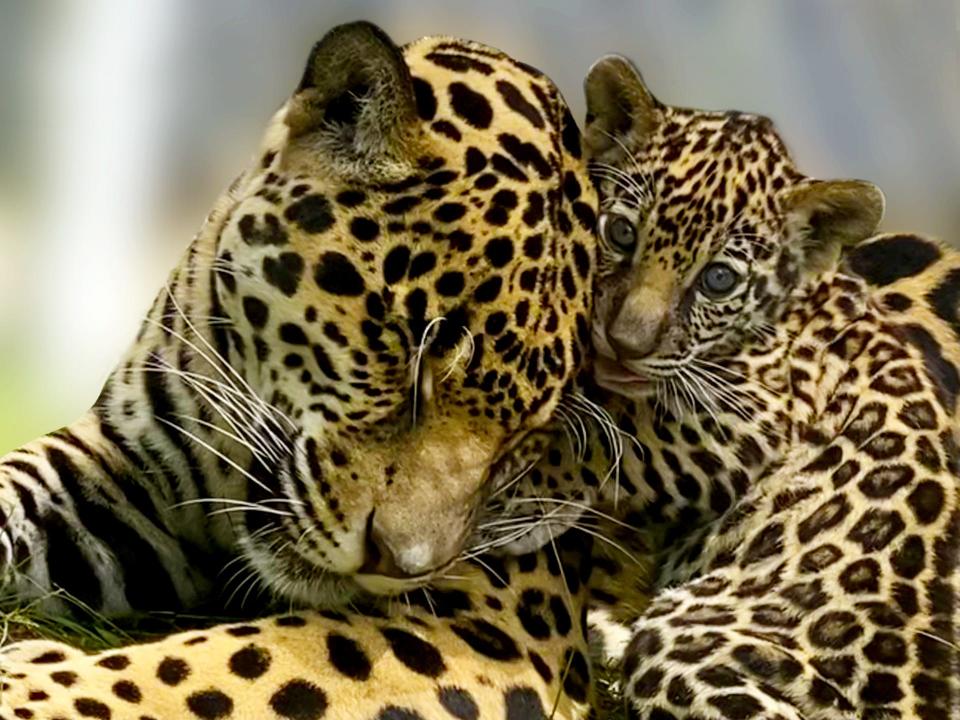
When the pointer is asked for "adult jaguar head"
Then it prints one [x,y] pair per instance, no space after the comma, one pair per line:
[407,268]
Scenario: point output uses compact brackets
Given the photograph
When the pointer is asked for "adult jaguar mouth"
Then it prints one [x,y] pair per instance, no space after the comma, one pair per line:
[292,578]
[292,572]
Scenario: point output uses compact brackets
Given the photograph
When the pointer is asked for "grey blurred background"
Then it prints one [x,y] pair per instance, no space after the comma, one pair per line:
[120,122]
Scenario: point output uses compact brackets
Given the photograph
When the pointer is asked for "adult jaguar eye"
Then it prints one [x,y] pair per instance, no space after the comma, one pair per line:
[620,232]
[718,279]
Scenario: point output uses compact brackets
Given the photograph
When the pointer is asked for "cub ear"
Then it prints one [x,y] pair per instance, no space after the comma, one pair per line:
[356,97]
[621,112]
[832,214]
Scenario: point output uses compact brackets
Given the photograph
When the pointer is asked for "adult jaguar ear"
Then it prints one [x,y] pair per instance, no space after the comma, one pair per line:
[829,215]
[356,99]
[621,111]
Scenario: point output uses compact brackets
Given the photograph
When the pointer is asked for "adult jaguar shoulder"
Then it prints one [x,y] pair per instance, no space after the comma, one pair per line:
[368,336]
[793,385]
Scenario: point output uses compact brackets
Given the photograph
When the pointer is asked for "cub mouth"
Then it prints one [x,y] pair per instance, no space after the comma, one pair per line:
[612,375]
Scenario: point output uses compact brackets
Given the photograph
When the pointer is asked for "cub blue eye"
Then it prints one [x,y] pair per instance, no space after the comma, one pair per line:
[718,279]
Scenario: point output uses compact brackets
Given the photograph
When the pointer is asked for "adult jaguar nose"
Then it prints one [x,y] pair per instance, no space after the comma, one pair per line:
[396,560]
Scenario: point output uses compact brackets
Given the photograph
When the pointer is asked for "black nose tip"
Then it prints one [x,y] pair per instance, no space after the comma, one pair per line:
[379,559]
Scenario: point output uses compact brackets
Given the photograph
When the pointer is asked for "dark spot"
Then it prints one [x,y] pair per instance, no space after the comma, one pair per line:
[517,102]
[209,704]
[395,264]
[488,290]
[299,700]
[533,246]
[886,648]
[64,677]
[945,299]
[114,662]
[889,259]
[392,712]
[255,310]
[540,665]
[364,229]
[824,517]
[459,63]
[418,655]
[459,703]
[450,284]
[348,657]
[284,272]
[470,105]
[576,681]
[426,100]
[648,684]
[487,639]
[926,501]
[527,154]
[767,542]
[250,662]
[351,198]
[257,233]
[448,129]
[736,706]
[126,690]
[909,559]
[474,160]
[421,264]
[449,212]
[836,630]
[312,213]
[876,528]
[290,621]
[884,480]
[499,251]
[570,135]
[294,335]
[942,373]
[337,275]
[88,707]
[861,576]
[172,671]
[524,704]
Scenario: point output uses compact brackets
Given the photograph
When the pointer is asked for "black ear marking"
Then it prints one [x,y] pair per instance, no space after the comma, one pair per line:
[621,111]
[357,95]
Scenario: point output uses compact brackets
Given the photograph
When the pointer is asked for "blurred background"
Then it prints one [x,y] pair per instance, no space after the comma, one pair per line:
[120,123]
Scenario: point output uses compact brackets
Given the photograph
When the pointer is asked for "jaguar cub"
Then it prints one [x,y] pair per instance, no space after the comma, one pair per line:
[793,385]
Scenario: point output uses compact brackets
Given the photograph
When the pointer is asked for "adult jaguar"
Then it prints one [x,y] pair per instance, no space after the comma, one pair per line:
[366,340]
[796,412]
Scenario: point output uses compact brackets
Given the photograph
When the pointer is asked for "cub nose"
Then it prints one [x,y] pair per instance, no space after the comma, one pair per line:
[633,337]
[625,346]
[638,324]
[391,559]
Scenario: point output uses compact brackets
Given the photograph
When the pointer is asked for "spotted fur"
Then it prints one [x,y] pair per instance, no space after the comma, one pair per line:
[796,422]
[505,641]
[365,341]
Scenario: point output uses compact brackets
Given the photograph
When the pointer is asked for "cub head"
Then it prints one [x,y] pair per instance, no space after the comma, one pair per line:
[407,268]
[706,228]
